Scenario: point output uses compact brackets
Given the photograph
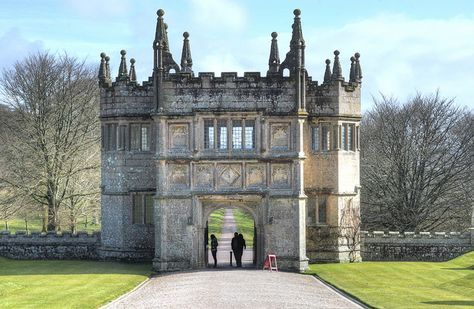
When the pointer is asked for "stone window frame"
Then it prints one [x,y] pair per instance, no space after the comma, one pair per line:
[313,208]
[149,136]
[338,137]
[145,208]
[109,136]
[346,142]
[319,199]
[229,125]
[324,144]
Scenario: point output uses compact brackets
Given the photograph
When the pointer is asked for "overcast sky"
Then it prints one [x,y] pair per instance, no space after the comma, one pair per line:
[405,45]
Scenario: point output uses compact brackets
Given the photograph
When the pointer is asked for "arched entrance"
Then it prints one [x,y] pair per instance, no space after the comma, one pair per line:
[235,204]
[223,223]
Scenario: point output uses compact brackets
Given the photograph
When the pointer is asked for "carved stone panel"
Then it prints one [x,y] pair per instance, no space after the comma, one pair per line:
[281,175]
[255,175]
[203,175]
[280,136]
[229,176]
[178,176]
[178,136]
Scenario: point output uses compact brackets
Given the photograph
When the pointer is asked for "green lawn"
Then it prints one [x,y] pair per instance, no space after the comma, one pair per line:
[66,284]
[215,223]
[244,223]
[405,284]
[36,224]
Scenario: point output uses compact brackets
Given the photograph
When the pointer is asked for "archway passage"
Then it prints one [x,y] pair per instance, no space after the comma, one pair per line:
[223,223]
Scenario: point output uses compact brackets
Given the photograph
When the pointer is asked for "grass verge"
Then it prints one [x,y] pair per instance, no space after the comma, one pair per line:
[405,284]
[66,284]
[245,225]
[215,223]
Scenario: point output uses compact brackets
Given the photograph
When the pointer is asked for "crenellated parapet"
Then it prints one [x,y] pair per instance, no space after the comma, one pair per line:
[49,236]
[390,236]
[51,245]
[411,246]
[336,96]
[333,96]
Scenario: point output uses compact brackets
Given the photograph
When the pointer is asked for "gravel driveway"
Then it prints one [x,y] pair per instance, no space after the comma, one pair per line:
[233,288]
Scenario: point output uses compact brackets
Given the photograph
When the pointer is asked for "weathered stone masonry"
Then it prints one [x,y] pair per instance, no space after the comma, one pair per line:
[375,246]
[280,147]
[410,246]
[50,245]
[295,172]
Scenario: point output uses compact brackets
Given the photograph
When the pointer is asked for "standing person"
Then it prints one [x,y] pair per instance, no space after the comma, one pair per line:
[234,245]
[214,245]
[241,246]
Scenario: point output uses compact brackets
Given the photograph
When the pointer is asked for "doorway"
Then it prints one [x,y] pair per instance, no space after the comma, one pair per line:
[223,222]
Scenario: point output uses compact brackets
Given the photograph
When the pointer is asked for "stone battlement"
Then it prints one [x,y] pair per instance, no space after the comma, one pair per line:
[390,236]
[51,245]
[23,235]
[411,246]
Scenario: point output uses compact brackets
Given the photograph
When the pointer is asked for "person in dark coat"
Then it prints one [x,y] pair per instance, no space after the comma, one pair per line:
[214,245]
[235,247]
[240,247]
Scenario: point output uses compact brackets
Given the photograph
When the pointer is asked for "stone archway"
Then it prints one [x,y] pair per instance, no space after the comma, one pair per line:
[250,204]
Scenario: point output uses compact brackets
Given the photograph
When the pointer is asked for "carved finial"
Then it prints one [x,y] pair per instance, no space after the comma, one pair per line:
[161,47]
[327,73]
[336,69]
[102,69]
[297,34]
[352,74]
[274,59]
[186,60]
[358,70]
[294,59]
[107,67]
[133,75]
[122,73]
[160,29]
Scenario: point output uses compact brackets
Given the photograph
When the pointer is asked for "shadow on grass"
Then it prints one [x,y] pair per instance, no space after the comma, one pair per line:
[10,267]
[451,302]
[460,268]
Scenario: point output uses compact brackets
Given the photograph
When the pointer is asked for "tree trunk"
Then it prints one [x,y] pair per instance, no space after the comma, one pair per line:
[51,218]
[45,219]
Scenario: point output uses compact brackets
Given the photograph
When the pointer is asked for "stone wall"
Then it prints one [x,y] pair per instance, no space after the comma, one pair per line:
[410,246]
[50,245]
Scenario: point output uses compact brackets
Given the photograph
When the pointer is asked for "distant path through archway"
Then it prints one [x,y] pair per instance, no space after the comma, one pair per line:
[223,253]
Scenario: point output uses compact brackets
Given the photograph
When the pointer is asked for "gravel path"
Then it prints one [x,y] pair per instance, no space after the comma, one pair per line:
[227,287]
[233,288]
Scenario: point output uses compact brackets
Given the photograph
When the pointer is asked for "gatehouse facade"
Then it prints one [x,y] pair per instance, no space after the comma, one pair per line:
[280,146]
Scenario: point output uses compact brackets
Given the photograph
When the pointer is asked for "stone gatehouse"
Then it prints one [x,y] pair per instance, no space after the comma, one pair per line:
[282,147]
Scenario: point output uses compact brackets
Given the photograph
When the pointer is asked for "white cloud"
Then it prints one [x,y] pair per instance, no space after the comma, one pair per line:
[401,55]
[219,14]
[18,47]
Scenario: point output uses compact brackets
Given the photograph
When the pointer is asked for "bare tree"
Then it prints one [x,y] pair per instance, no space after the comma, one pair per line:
[349,229]
[416,164]
[83,194]
[53,122]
